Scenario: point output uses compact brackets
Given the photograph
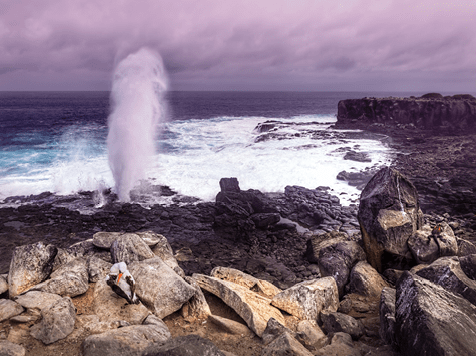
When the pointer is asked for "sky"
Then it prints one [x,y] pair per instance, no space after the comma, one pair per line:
[304,45]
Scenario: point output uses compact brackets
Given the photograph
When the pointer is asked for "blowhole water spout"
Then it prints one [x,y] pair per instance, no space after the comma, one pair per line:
[139,83]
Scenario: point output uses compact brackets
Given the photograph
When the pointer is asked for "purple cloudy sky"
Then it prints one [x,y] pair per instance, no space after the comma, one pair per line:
[357,45]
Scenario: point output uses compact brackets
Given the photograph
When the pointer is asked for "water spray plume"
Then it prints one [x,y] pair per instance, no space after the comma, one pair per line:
[138,86]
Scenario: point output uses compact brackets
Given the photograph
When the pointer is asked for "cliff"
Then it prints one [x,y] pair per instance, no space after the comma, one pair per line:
[429,112]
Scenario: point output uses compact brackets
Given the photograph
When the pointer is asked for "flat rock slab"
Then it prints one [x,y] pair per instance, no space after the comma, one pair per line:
[230,326]
[126,341]
[110,307]
[245,280]
[184,346]
[130,248]
[159,287]
[432,321]
[9,308]
[8,348]
[57,322]
[30,265]
[37,300]
[252,307]
[307,299]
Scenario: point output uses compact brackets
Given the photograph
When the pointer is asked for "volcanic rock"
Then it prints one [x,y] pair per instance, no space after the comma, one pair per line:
[104,239]
[231,326]
[357,156]
[273,330]
[183,345]
[3,285]
[8,348]
[97,269]
[334,322]
[387,316]
[196,307]
[285,345]
[9,308]
[365,280]
[129,248]
[310,335]
[423,246]
[341,345]
[37,300]
[468,265]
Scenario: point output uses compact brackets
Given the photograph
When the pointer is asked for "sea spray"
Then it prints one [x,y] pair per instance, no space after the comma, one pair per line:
[138,86]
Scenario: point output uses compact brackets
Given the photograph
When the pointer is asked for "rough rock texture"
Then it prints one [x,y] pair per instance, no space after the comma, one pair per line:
[130,248]
[285,345]
[69,280]
[36,300]
[387,316]
[424,113]
[310,335]
[30,265]
[3,285]
[9,308]
[163,249]
[196,307]
[231,326]
[447,272]
[423,246]
[431,320]
[365,280]
[8,348]
[389,213]
[341,345]
[57,322]
[338,322]
[159,287]
[307,299]
[252,307]
[104,239]
[468,265]
[97,269]
[87,249]
[273,330]
[126,341]
[189,345]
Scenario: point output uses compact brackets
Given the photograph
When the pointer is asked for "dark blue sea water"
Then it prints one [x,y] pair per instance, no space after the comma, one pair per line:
[56,141]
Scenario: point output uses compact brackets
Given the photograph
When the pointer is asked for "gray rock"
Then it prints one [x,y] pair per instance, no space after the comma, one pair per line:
[310,335]
[57,322]
[9,308]
[3,285]
[468,265]
[104,239]
[130,248]
[30,265]
[87,249]
[273,330]
[230,326]
[423,246]
[389,213]
[196,307]
[365,280]
[431,320]
[126,341]
[357,156]
[189,345]
[341,345]
[285,345]
[465,247]
[37,300]
[392,275]
[153,320]
[97,269]
[334,322]
[159,287]
[446,240]
[446,272]
[8,348]
[307,299]
[150,238]
[62,258]
[387,316]
[163,250]
[69,280]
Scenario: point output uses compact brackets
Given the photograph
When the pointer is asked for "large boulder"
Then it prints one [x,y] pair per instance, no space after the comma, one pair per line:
[432,321]
[389,213]
[159,287]
[130,248]
[365,280]
[468,265]
[57,322]
[189,345]
[307,299]
[36,299]
[30,265]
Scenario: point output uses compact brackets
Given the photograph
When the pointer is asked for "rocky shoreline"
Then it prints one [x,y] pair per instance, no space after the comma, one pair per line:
[284,239]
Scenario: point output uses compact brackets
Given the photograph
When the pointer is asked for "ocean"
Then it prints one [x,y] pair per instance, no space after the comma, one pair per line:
[56,142]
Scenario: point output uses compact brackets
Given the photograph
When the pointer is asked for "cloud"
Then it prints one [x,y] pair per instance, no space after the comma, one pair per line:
[239,44]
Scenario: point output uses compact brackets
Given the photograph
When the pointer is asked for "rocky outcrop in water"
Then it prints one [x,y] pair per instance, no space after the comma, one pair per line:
[457,113]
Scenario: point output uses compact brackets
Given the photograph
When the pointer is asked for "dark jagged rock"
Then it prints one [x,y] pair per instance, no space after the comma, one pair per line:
[357,156]
[389,213]
[468,265]
[431,320]
[387,316]
[435,113]
[338,322]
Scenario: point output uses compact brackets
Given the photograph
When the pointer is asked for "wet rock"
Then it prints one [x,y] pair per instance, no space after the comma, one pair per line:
[245,280]
[387,316]
[341,345]
[389,213]
[447,272]
[159,287]
[431,320]
[8,348]
[334,322]
[252,307]
[97,269]
[69,280]
[57,322]
[30,265]
[110,307]
[310,335]
[129,340]
[230,326]
[307,299]
[357,156]
[37,300]
[273,330]
[130,248]
[285,345]
[9,308]
[468,265]
[104,239]
[184,345]
[365,280]
[196,307]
